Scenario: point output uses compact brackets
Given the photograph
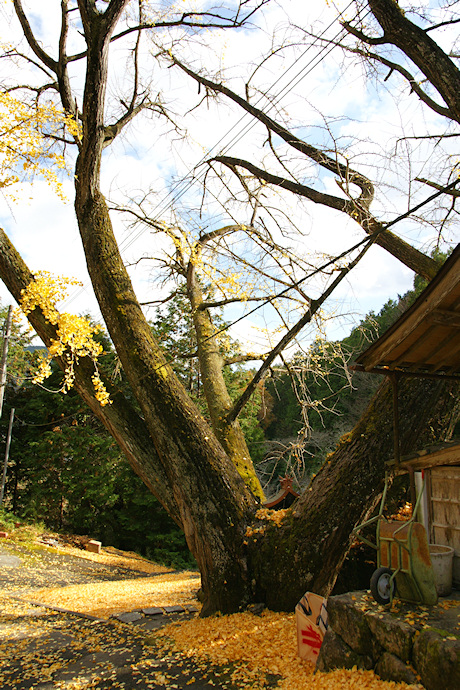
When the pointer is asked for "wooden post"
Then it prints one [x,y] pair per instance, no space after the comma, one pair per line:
[7,453]
[397,452]
[6,339]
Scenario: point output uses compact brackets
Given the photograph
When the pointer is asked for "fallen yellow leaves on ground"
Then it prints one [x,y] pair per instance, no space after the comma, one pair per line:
[255,647]
[102,599]
[111,556]
[264,645]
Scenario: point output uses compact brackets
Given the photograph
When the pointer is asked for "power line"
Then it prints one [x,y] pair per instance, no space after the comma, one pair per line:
[370,238]
[181,187]
[165,204]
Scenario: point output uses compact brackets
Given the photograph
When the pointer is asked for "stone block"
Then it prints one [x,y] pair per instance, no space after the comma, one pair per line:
[94,546]
[393,634]
[174,609]
[335,653]
[153,611]
[390,667]
[129,617]
[347,620]
[436,658]
[3,535]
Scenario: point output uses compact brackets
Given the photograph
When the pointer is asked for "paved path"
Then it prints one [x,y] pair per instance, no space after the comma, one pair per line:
[49,649]
[46,648]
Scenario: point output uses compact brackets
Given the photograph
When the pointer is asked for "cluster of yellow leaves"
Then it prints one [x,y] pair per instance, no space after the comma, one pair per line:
[254,531]
[275,516]
[75,333]
[24,151]
[263,645]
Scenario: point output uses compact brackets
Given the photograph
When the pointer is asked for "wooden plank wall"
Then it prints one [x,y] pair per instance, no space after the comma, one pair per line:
[444,511]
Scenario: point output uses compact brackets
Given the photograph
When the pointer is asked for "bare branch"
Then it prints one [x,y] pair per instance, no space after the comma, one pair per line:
[31,40]
[441,24]
[248,357]
[414,42]
[452,192]
[112,131]
[315,305]
[233,300]
[325,161]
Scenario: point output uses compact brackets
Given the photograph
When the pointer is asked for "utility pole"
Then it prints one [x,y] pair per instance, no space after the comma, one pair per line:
[6,341]
[7,453]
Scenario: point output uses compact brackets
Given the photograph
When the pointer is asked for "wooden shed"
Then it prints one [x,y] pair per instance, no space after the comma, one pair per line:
[425,342]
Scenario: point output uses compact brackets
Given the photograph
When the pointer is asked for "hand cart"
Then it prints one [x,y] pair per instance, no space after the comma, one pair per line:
[403,558]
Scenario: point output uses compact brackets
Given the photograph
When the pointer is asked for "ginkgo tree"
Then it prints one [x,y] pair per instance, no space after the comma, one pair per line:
[25,152]
[182,459]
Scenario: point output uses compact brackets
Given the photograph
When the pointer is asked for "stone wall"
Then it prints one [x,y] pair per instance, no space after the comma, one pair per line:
[409,643]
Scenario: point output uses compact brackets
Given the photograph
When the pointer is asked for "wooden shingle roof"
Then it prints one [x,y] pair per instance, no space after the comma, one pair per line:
[425,340]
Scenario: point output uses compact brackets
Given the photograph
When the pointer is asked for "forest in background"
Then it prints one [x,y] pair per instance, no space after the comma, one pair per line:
[66,470]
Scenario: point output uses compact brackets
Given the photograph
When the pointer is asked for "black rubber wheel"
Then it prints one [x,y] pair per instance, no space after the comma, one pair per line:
[381,589]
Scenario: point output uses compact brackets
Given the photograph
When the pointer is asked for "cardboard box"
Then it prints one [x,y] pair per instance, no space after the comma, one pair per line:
[311,619]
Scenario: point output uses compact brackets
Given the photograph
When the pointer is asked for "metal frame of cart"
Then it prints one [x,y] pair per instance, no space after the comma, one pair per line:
[403,558]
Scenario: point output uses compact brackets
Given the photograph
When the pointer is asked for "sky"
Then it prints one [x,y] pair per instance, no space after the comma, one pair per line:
[311,88]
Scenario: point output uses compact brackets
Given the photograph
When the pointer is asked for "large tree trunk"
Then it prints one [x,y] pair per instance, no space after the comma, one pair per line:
[219,403]
[201,489]
[212,500]
[306,553]
[171,446]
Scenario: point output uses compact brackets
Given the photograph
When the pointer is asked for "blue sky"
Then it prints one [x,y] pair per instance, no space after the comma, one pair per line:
[333,93]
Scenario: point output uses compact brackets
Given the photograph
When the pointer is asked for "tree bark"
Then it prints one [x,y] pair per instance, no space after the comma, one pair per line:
[306,553]
[432,61]
[219,403]
[211,498]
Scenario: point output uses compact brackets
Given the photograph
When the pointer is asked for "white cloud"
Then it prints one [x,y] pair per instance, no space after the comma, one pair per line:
[146,156]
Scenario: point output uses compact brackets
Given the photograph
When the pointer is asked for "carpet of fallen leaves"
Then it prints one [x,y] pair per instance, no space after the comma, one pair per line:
[117,558]
[256,646]
[260,650]
[103,599]
[264,645]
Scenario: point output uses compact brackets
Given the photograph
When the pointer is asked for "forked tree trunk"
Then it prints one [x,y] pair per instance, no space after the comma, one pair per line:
[201,489]
[306,553]
[170,445]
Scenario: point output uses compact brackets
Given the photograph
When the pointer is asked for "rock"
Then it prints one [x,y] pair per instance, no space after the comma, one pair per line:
[335,653]
[3,535]
[437,660]
[389,667]
[348,621]
[392,634]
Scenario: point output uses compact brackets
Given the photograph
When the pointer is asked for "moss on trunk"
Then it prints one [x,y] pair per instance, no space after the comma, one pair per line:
[307,551]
